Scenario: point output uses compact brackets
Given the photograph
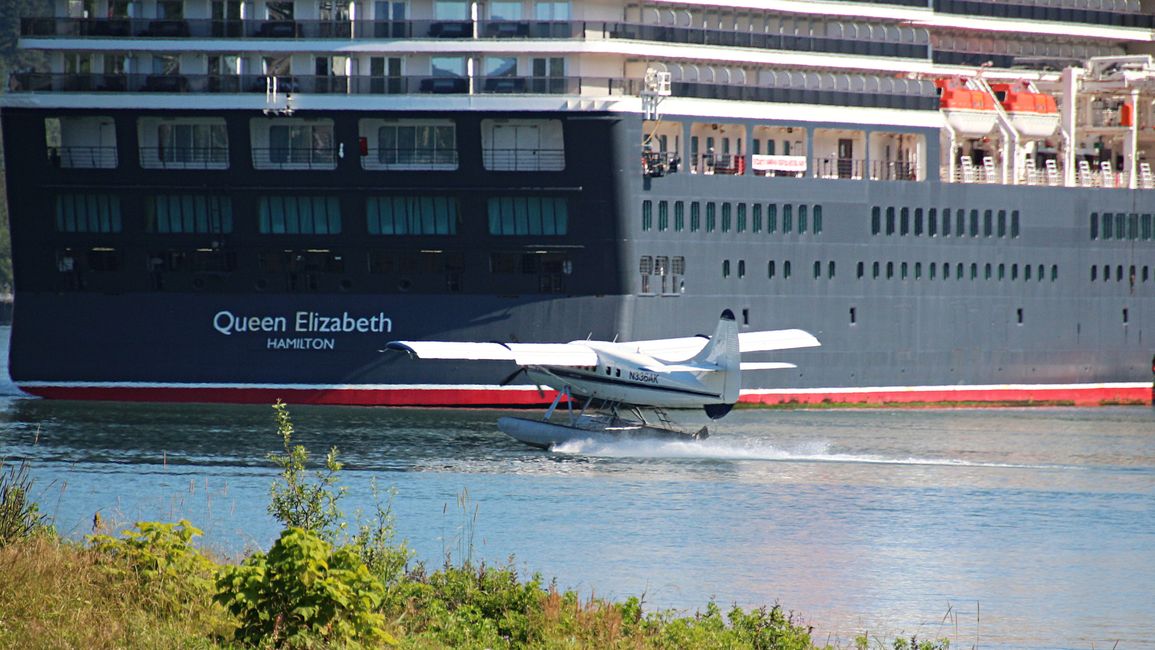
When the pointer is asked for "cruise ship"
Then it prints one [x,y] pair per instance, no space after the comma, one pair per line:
[240,201]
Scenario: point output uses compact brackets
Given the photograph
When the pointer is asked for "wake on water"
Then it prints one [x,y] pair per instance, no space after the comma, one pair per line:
[714,449]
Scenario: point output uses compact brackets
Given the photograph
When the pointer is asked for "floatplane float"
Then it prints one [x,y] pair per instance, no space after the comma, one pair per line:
[617,382]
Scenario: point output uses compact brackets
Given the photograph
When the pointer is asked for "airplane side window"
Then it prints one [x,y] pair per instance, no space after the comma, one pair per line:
[617,372]
[607,371]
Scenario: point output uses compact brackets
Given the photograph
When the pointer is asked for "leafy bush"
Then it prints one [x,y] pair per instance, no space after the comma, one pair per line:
[20,517]
[162,557]
[302,593]
[296,501]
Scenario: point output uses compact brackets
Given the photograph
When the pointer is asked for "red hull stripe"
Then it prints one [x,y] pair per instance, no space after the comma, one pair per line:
[384,395]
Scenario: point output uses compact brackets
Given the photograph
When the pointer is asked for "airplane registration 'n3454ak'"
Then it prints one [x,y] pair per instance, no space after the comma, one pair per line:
[678,373]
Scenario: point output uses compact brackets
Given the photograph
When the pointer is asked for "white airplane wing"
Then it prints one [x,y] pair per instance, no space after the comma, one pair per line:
[523,354]
[767,365]
[687,346]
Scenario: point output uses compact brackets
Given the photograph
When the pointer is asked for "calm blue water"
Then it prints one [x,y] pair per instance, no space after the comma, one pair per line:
[1004,528]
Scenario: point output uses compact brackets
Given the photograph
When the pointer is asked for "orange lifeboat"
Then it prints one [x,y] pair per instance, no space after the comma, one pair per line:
[969,112]
[1034,115]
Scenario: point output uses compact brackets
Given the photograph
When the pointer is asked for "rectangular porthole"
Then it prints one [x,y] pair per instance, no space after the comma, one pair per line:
[1019,315]
[853,315]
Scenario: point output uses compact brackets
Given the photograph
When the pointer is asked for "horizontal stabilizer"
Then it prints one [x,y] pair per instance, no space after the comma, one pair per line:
[776,340]
[523,354]
[767,365]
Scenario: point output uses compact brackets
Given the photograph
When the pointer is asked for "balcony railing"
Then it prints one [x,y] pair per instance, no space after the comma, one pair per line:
[74,157]
[184,157]
[294,158]
[353,85]
[524,160]
[415,158]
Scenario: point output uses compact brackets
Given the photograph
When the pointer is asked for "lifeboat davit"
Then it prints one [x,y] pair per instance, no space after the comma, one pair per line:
[1034,115]
[969,112]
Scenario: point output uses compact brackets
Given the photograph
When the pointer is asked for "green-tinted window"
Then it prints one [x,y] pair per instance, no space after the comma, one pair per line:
[647,215]
[411,215]
[771,269]
[772,218]
[1133,226]
[1002,223]
[1120,225]
[904,222]
[727,217]
[1015,224]
[787,218]
[817,269]
[988,223]
[802,218]
[529,215]
[890,220]
[679,216]
[711,216]
[741,217]
[875,220]
[974,223]
[960,222]
[189,213]
[1146,227]
[300,215]
[817,219]
[786,269]
[695,217]
[756,218]
[918,222]
[88,213]
[663,216]
[932,222]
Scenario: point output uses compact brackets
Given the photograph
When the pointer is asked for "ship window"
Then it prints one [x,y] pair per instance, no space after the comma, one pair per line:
[522,145]
[756,218]
[1146,227]
[1002,223]
[88,213]
[1108,225]
[1106,273]
[646,269]
[889,270]
[932,271]
[946,222]
[647,215]
[1119,273]
[988,223]
[711,216]
[741,217]
[1015,224]
[874,271]
[890,220]
[918,222]
[771,270]
[679,216]
[1120,225]
[918,270]
[960,222]
[974,271]
[725,268]
[184,145]
[786,269]
[547,270]
[853,315]
[412,145]
[875,220]
[201,260]
[817,270]
[411,215]
[663,216]
[1094,273]
[1014,272]
[191,213]
[303,145]
[1002,272]
[1054,272]
[727,217]
[904,222]
[1094,225]
[830,270]
[528,215]
[695,216]
[1126,316]
[817,219]
[1146,275]
[787,218]
[1019,315]
[987,271]
[974,223]
[771,218]
[932,222]
[860,270]
[902,271]
[742,274]
[1133,226]
[1027,272]
[300,215]
[801,219]
[958,271]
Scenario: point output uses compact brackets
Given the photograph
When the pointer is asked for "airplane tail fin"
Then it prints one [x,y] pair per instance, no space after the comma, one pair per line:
[723,352]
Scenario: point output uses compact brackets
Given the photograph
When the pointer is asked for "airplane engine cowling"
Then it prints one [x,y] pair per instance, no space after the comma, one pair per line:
[717,411]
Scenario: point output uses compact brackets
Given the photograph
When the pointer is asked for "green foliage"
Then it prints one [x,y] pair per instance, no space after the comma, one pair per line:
[163,559]
[296,501]
[467,606]
[304,594]
[375,542]
[914,644]
[20,516]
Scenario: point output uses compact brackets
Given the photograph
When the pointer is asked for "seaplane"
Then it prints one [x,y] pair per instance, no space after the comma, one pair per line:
[617,383]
